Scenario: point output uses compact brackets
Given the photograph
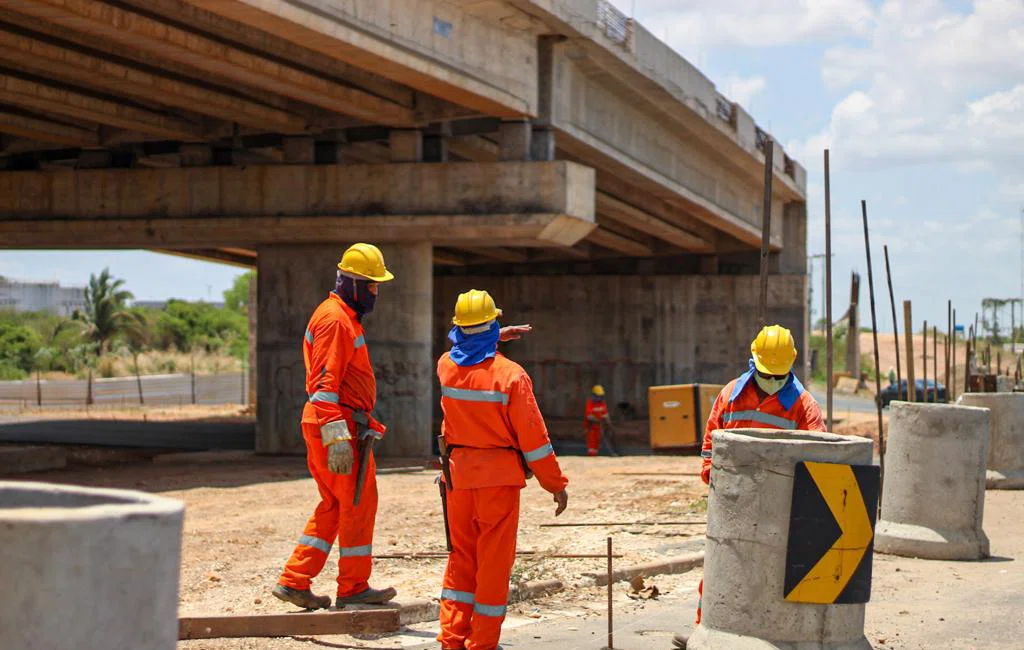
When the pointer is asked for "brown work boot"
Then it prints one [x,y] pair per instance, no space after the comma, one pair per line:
[368,596]
[680,640]
[305,599]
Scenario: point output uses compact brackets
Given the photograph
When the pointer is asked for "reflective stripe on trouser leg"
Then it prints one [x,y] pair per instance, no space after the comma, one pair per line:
[355,533]
[594,439]
[457,597]
[309,556]
[497,519]
[700,599]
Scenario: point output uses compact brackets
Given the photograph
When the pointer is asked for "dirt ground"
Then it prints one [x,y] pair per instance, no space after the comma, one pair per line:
[244,514]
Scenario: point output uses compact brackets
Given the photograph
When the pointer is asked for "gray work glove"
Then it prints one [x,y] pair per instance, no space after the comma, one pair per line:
[336,437]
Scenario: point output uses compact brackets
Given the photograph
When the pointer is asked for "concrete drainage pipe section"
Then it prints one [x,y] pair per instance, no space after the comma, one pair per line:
[934,492]
[1006,438]
[88,569]
[745,557]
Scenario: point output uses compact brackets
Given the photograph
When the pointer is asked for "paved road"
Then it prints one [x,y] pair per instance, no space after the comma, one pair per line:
[184,435]
[842,403]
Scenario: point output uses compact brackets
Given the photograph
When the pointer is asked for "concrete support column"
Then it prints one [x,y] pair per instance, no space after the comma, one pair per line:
[435,143]
[406,145]
[792,260]
[542,145]
[399,336]
[933,498]
[293,280]
[748,532]
[514,140]
[1006,438]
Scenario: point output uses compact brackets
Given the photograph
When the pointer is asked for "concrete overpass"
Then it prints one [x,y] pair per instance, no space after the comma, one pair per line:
[552,151]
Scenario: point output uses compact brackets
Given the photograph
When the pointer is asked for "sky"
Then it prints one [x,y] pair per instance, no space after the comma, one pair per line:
[921,103]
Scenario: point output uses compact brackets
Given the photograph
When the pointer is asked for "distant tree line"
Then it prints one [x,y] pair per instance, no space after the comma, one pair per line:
[34,342]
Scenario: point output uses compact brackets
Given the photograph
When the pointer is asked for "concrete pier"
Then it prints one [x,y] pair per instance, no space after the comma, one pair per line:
[1005,467]
[748,529]
[88,569]
[934,493]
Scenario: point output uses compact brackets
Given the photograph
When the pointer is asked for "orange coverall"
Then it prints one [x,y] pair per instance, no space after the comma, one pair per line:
[339,380]
[490,415]
[739,406]
[598,409]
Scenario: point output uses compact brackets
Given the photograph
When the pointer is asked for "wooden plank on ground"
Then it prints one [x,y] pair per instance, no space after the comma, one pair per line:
[304,623]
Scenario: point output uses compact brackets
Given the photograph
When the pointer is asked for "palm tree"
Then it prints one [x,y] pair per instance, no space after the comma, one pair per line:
[106,315]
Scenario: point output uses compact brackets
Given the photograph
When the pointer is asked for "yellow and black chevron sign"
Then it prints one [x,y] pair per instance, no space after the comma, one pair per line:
[831,533]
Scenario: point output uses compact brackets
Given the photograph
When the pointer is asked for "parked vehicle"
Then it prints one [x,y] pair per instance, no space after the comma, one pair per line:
[889,394]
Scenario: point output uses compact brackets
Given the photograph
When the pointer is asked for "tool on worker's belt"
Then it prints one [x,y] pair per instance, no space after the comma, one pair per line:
[365,446]
[526,466]
[444,512]
[446,467]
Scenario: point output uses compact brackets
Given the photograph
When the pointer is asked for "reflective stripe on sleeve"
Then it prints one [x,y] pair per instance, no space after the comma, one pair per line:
[309,336]
[324,396]
[489,610]
[458,596]
[357,551]
[360,341]
[538,453]
[469,395]
[706,453]
[758,416]
[316,542]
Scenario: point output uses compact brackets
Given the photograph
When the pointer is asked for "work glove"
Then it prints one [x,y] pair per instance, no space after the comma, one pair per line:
[336,437]
[562,499]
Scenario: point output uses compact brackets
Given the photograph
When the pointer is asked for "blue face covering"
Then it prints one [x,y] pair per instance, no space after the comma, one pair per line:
[471,349]
[356,294]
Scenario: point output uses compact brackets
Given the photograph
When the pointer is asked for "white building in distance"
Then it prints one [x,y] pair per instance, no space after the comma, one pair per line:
[20,295]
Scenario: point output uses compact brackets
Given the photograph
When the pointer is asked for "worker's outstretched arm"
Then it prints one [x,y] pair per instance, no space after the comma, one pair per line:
[714,422]
[333,347]
[532,434]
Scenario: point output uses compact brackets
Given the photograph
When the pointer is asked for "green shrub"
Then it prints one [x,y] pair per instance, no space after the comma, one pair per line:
[18,346]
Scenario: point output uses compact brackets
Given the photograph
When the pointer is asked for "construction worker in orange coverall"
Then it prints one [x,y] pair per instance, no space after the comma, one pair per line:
[595,417]
[342,392]
[492,429]
[767,396]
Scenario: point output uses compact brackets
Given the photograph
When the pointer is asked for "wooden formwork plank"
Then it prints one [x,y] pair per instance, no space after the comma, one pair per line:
[360,621]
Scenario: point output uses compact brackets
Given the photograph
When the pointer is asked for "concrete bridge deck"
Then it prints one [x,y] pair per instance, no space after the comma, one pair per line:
[478,138]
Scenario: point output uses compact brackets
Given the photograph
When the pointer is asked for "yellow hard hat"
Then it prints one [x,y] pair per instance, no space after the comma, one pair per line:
[598,390]
[773,350]
[365,261]
[475,307]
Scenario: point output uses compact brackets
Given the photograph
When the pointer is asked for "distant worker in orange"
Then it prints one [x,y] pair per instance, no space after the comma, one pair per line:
[767,396]
[594,419]
[492,434]
[342,392]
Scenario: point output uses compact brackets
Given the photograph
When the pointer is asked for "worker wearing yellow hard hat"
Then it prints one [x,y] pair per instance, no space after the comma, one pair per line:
[493,434]
[342,392]
[594,418]
[767,396]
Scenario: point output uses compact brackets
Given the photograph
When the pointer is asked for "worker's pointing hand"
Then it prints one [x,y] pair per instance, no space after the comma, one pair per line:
[514,332]
[562,499]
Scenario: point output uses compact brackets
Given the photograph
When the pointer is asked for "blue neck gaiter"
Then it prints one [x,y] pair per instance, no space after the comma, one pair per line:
[356,295]
[471,349]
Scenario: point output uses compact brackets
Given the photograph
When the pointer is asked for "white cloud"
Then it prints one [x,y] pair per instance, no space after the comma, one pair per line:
[742,90]
[692,27]
[931,85]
